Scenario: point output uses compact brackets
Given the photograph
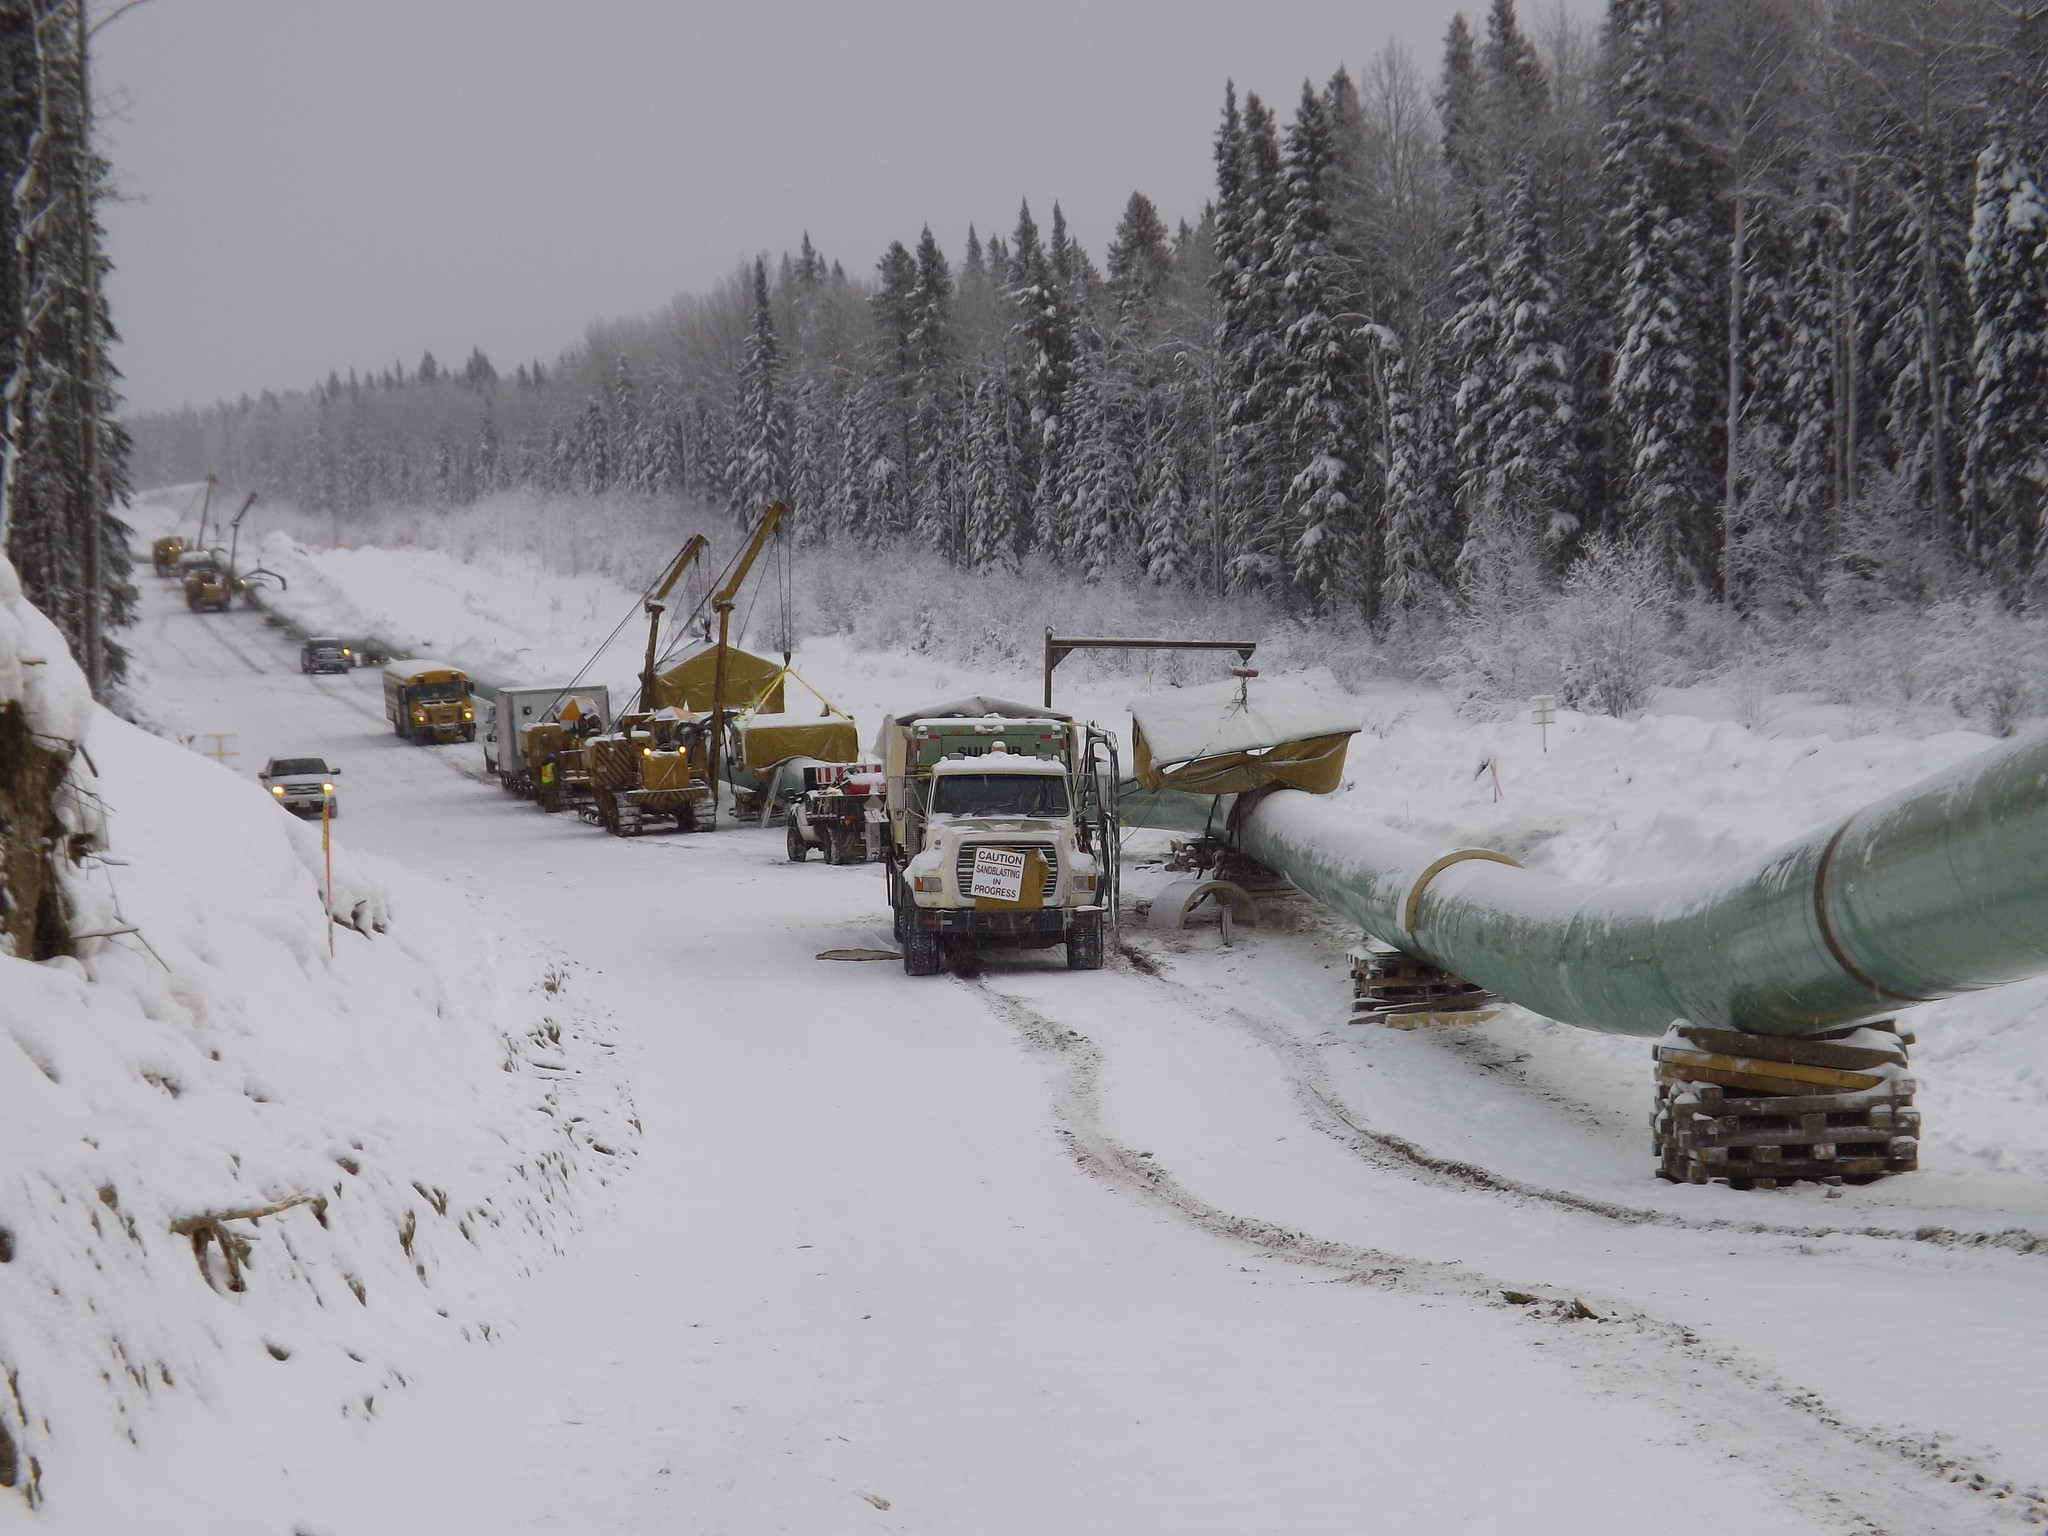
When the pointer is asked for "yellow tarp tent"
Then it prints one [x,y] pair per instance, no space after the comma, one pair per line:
[751,682]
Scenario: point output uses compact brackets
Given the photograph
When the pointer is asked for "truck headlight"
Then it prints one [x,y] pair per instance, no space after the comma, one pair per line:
[277,789]
[467,715]
[928,884]
[328,788]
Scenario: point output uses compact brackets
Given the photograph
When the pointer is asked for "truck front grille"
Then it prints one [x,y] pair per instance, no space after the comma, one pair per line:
[963,867]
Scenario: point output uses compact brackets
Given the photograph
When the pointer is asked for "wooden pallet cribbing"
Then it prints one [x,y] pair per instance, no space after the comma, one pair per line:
[1759,1111]
[1391,987]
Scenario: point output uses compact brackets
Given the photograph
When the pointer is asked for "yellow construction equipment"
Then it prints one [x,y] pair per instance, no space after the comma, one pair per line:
[721,602]
[654,766]
[552,750]
[164,552]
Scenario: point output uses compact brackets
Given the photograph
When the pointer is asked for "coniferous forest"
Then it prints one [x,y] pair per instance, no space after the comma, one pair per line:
[65,456]
[1746,300]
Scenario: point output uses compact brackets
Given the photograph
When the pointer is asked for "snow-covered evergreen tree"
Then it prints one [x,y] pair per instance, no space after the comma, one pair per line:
[2008,450]
[760,450]
[1250,309]
[1531,416]
[1659,394]
[1327,498]
[63,457]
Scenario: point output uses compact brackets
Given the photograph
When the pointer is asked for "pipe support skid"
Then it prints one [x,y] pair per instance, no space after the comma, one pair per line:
[1939,889]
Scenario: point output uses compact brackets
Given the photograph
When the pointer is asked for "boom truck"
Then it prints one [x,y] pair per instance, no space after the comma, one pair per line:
[1002,831]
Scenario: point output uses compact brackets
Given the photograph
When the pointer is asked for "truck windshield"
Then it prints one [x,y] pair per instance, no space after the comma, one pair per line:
[293,767]
[999,794]
[440,690]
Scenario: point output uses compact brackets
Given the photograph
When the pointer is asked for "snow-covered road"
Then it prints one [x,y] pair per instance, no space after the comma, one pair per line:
[1049,1251]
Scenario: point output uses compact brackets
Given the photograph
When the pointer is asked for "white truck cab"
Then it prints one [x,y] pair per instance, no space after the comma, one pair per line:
[1001,833]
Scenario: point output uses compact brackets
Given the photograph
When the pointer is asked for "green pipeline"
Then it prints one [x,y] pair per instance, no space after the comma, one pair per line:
[1939,889]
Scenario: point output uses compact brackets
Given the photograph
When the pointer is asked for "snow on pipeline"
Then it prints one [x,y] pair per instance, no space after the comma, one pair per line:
[247,1186]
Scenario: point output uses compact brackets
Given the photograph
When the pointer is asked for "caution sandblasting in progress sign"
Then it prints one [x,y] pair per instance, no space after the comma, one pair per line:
[998,874]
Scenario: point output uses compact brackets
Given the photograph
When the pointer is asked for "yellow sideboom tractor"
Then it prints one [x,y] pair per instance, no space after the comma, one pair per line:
[655,766]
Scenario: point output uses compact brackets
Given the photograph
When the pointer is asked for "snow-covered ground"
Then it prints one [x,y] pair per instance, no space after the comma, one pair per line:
[1166,1247]
[427,1099]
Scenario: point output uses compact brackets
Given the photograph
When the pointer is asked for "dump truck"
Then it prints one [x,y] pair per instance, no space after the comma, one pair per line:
[1002,831]
[524,704]
[428,702]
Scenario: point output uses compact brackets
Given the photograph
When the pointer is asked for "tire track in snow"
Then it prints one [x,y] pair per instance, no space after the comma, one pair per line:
[1761,1418]
[1331,1115]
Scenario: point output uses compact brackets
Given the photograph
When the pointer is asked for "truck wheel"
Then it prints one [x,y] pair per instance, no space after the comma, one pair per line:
[828,845]
[922,955]
[793,840]
[1084,945]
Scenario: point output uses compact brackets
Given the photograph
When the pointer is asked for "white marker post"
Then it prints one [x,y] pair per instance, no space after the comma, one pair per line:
[1544,714]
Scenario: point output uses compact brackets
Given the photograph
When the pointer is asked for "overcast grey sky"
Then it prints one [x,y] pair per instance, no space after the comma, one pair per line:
[334,183]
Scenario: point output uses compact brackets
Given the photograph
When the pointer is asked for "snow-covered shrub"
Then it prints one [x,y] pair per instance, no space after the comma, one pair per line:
[1889,551]
[1612,626]
[1601,644]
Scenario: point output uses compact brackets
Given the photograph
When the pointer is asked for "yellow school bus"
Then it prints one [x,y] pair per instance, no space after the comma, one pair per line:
[429,701]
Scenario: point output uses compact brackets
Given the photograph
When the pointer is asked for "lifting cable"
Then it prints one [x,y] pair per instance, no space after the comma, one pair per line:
[632,613]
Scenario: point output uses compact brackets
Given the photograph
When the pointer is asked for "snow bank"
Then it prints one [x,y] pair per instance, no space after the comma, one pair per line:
[430,1129]
[36,669]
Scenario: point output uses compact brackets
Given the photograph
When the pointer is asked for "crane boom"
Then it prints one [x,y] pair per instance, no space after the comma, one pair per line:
[722,600]
[655,604]
[767,525]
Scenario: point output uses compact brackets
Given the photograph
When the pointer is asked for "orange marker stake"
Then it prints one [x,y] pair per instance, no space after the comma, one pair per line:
[327,853]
